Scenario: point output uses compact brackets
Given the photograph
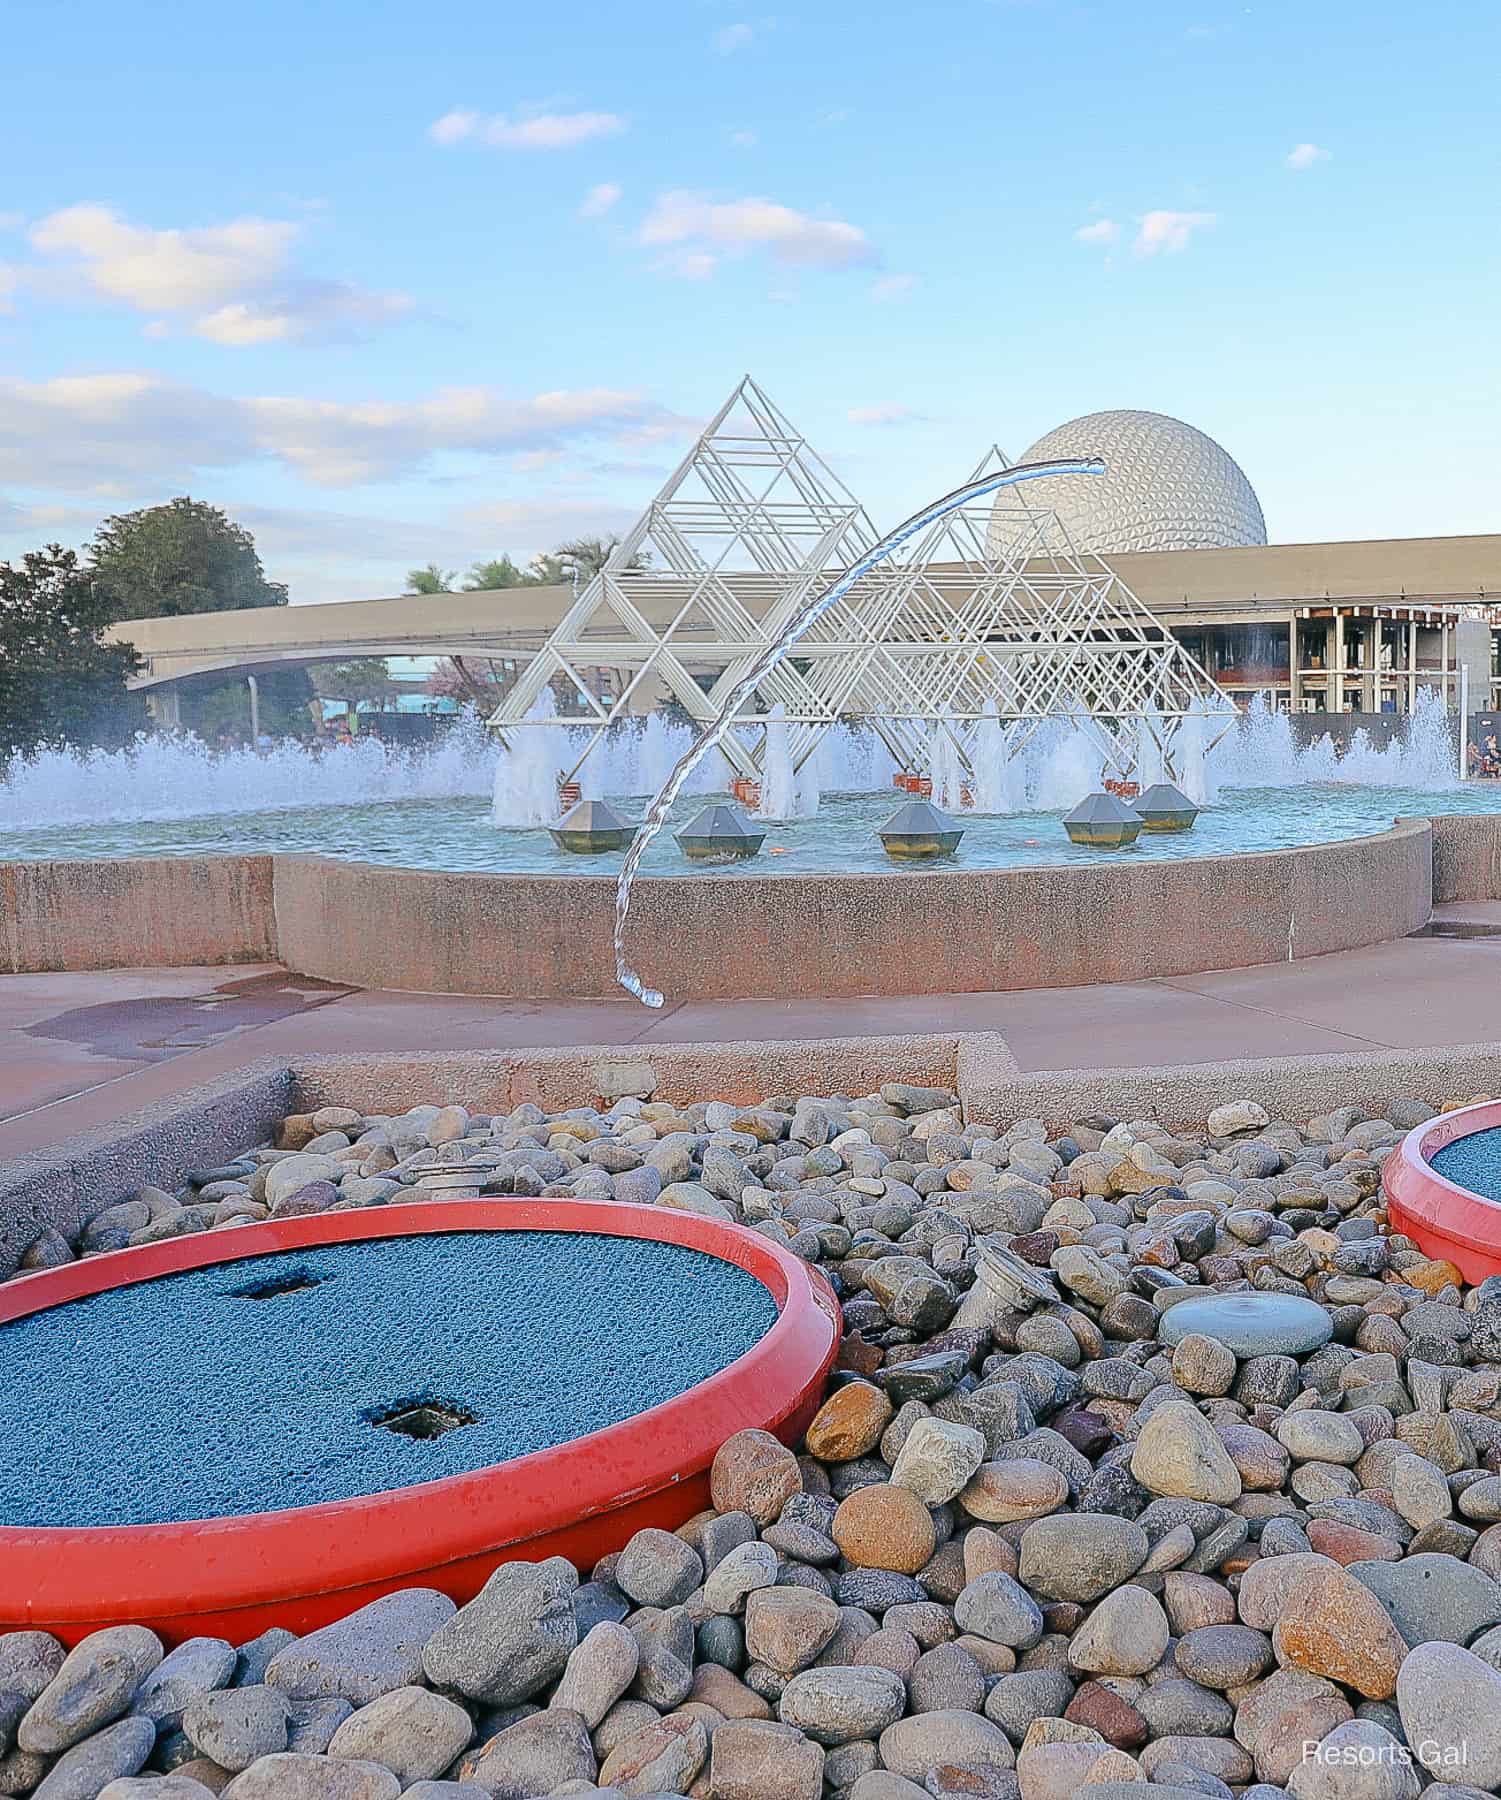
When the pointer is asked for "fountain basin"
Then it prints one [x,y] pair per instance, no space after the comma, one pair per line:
[80,1559]
[1443,1188]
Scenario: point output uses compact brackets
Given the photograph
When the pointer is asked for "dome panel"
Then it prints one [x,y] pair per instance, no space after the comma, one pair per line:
[1166,486]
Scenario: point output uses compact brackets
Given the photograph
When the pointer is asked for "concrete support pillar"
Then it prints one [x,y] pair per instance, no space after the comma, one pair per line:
[1370,664]
[1337,665]
[1294,662]
[1473,654]
[1412,663]
[164,707]
[1447,684]
[255,710]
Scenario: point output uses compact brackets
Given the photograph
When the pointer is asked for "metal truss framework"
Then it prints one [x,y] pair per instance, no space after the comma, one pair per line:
[958,631]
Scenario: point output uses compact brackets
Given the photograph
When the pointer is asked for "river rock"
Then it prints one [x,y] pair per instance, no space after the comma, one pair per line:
[838,1705]
[511,1640]
[234,1727]
[1450,1704]
[293,1777]
[1080,1556]
[94,1685]
[80,1772]
[1334,1626]
[537,1755]
[412,1731]
[366,1654]
[1179,1454]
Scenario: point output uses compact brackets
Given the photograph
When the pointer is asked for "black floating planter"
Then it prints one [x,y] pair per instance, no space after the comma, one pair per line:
[1166,808]
[591,827]
[919,830]
[720,833]
[1103,822]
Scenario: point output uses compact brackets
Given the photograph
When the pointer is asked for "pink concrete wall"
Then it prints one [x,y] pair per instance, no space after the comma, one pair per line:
[1467,856]
[169,911]
[938,932]
[546,937]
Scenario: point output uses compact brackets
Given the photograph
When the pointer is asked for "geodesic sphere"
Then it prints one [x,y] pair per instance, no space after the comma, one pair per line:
[1166,486]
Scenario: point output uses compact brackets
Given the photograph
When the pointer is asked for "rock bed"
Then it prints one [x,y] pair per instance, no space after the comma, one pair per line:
[1031,1546]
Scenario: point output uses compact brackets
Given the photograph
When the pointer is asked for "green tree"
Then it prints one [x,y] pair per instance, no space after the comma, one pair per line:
[499,572]
[365,679]
[183,557]
[430,579]
[189,557]
[59,680]
[589,555]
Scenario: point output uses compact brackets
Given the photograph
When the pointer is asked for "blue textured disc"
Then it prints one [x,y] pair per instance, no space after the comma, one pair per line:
[256,1385]
[1473,1162]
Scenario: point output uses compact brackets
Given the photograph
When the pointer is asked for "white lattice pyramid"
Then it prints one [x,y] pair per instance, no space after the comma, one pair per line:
[967,624]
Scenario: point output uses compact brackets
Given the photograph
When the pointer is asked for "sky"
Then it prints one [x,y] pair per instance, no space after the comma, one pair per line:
[397,283]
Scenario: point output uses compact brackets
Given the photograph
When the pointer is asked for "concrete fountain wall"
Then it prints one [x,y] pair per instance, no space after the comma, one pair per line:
[938,931]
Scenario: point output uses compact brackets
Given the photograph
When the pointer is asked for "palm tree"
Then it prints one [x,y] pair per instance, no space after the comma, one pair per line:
[429,579]
[498,572]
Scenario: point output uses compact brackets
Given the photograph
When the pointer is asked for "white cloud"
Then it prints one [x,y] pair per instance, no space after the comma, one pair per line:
[889,414]
[690,265]
[1102,231]
[537,131]
[170,271]
[599,200]
[318,310]
[682,220]
[335,443]
[104,433]
[733,38]
[893,287]
[1304,156]
[232,280]
[744,140]
[1162,230]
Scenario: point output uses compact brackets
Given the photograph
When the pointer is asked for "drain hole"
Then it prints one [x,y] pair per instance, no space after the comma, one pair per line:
[295,1281]
[424,1419]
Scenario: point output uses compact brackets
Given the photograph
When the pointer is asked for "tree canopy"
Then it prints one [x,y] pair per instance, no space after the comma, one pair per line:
[430,579]
[580,559]
[59,680]
[499,572]
[182,557]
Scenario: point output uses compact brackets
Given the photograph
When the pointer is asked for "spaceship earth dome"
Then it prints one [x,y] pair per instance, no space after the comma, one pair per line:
[1166,486]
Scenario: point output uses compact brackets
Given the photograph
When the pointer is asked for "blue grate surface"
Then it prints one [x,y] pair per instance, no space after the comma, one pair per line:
[1473,1162]
[187,1397]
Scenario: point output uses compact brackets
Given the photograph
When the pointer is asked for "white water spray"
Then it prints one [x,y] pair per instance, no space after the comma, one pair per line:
[947,770]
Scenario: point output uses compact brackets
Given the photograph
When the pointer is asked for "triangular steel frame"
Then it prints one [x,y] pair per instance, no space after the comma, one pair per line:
[960,629]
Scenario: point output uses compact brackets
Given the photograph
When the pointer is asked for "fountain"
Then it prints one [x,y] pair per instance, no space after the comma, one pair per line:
[312,1474]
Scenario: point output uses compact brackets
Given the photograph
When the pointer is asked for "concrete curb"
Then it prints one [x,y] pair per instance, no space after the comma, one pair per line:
[66,1185]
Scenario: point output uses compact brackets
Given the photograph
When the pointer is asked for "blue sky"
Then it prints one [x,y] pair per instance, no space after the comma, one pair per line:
[394,282]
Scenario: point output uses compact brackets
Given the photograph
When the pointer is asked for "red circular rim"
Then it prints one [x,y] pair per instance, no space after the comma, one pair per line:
[1442,1218]
[186,1568]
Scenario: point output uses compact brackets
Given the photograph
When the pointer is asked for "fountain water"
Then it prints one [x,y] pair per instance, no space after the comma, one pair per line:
[1000,782]
[1068,766]
[946,768]
[784,794]
[526,777]
[802,620]
[1189,753]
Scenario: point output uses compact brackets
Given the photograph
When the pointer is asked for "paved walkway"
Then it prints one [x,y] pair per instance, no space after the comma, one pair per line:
[77,1050]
